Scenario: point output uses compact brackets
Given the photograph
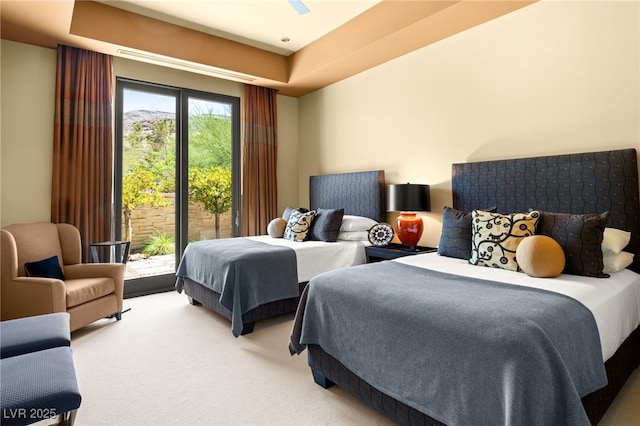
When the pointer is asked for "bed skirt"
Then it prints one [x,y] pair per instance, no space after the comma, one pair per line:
[202,295]
[328,371]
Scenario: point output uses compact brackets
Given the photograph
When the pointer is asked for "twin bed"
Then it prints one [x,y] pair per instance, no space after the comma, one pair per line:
[432,339]
[254,278]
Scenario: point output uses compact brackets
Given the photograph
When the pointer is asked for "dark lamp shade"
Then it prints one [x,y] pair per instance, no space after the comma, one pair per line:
[408,197]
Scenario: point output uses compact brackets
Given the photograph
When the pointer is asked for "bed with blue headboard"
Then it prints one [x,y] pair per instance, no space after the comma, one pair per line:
[360,194]
[412,388]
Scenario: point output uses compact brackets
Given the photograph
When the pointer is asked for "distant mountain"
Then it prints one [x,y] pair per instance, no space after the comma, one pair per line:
[145,117]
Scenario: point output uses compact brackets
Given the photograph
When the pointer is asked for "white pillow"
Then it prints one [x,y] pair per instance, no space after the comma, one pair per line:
[616,262]
[356,223]
[353,235]
[614,240]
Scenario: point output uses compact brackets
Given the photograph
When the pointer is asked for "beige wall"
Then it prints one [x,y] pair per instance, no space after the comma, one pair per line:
[26,121]
[552,78]
[28,89]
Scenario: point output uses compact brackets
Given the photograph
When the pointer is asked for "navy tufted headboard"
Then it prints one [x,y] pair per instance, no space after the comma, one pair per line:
[592,182]
[359,193]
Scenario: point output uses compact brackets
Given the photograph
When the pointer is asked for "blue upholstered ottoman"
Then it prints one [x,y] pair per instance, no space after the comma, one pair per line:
[24,335]
[37,386]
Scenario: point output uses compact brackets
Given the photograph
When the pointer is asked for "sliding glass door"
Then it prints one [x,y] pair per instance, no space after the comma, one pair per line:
[176,160]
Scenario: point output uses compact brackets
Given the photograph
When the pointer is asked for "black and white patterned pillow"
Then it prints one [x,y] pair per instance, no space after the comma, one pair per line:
[298,225]
[495,237]
[288,210]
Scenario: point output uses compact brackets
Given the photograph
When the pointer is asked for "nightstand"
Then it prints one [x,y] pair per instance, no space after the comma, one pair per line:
[393,251]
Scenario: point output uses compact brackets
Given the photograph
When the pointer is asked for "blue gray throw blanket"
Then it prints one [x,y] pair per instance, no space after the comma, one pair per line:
[461,350]
[246,273]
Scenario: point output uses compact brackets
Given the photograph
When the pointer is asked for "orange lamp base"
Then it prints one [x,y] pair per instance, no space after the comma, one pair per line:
[409,230]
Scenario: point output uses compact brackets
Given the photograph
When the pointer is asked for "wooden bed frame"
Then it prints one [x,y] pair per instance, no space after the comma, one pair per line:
[359,193]
[577,183]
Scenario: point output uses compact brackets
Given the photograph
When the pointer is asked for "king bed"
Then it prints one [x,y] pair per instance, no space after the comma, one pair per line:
[247,279]
[435,339]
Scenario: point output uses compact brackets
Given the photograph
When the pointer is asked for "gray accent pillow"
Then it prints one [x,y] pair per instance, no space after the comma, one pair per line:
[580,236]
[455,240]
[326,225]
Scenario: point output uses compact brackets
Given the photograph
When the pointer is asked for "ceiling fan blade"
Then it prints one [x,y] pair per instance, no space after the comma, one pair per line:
[300,7]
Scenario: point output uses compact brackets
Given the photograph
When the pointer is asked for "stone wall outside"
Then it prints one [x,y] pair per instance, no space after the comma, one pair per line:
[147,221]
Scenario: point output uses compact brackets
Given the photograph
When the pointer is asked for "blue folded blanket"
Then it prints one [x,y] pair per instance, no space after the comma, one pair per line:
[246,273]
[461,350]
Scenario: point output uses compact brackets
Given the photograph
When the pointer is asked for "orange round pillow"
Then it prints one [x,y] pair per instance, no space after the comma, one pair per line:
[540,256]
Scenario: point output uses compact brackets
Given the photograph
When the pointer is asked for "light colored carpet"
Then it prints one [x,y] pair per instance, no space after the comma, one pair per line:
[170,363]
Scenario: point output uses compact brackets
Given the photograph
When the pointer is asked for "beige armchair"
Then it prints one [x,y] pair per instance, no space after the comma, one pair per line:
[90,291]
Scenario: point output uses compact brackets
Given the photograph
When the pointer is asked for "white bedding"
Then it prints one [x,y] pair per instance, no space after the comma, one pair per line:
[614,301]
[316,257]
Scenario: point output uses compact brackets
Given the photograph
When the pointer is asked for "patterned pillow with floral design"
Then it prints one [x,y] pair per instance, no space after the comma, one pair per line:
[298,225]
[495,237]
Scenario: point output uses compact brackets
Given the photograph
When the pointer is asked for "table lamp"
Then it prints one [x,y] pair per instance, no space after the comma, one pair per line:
[408,199]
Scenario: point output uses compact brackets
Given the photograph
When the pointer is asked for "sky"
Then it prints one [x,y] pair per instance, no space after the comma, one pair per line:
[135,100]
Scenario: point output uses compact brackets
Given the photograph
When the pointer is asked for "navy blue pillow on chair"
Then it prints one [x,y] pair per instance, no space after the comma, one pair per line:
[46,268]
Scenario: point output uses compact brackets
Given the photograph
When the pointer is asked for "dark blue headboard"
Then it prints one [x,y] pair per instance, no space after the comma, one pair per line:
[592,182]
[359,193]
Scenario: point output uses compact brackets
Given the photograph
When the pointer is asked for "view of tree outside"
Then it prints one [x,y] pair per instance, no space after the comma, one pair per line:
[148,168]
[149,173]
[210,159]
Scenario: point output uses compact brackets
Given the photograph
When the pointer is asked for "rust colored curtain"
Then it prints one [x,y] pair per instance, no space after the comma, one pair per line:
[81,190]
[259,150]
